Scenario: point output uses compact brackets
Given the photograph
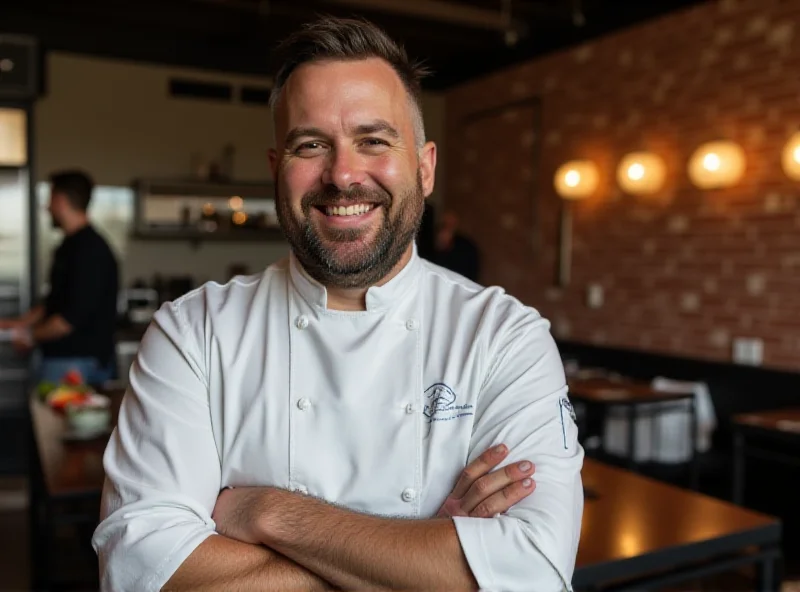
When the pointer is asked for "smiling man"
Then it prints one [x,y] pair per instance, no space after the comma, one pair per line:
[354,416]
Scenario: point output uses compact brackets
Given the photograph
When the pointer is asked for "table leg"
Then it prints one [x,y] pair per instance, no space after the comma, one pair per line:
[694,468]
[767,576]
[583,426]
[632,437]
[36,518]
[739,460]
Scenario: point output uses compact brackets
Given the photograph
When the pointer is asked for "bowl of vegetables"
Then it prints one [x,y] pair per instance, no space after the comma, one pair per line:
[91,415]
[86,411]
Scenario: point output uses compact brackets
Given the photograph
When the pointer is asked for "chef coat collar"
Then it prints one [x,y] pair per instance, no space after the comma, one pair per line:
[378,297]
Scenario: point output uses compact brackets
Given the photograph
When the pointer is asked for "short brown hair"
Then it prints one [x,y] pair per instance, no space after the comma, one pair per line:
[331,38]
[76,185]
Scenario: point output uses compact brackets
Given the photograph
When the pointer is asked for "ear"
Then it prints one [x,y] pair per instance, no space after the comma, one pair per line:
[274,163]
[427,167]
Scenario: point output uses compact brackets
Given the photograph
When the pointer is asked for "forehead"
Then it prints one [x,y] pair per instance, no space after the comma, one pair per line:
[338,93]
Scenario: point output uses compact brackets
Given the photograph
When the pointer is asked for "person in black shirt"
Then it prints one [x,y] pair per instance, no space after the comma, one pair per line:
[454,251]
[74,326]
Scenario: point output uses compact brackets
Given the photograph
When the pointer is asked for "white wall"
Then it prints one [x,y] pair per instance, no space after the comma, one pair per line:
[116,120]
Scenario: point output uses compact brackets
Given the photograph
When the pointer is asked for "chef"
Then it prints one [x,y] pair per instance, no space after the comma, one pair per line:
[354,416]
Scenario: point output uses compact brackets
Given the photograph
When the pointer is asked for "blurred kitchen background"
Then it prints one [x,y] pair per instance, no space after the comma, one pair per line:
[629,168]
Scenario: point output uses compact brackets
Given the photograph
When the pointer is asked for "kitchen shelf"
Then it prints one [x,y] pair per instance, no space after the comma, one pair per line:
[178,210]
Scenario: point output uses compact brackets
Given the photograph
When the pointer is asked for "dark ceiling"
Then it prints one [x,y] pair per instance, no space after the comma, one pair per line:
[457,39]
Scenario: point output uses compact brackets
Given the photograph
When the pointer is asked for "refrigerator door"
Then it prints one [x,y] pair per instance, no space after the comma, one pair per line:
[14,297]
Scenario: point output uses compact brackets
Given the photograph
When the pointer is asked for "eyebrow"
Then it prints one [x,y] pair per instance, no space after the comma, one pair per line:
[377,126]
[374,127]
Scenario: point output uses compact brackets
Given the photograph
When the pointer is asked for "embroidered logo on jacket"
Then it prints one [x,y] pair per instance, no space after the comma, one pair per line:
[565,406]
[565,403]
[440,404]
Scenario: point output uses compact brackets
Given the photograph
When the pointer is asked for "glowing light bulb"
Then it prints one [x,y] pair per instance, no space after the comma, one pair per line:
[711,162]
[572,178]
[717,164]
[576,179]
[636,171]
[641,173]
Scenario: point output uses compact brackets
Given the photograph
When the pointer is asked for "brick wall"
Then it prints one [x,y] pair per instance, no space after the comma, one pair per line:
[685,271]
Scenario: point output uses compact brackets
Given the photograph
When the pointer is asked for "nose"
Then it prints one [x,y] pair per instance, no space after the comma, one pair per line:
[344,169]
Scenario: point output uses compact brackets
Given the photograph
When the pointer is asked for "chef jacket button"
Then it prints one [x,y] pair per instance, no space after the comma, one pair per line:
[411,324]
[301,322]
[410,408]
[409,495]
[301,489]
[303,404]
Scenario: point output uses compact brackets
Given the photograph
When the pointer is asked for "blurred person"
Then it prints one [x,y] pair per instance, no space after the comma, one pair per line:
[74,326]
[426,237]
[453,250]
[353,416]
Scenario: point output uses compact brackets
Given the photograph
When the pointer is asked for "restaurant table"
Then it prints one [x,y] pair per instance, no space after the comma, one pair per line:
[779,427]
[632,526]
[632,396]
[66,482]
[642,534]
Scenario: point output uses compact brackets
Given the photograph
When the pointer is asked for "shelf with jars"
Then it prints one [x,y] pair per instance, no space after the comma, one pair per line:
[205,211]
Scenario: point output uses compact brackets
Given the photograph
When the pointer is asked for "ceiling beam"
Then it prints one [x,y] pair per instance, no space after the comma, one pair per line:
[446,12]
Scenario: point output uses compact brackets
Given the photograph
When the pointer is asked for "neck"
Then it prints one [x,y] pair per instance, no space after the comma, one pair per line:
[354,299]
[74,224]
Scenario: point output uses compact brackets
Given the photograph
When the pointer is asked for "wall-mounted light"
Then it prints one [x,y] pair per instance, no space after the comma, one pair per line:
[13,137]
[641,173]
[791,157]
[576,179]
[717,164]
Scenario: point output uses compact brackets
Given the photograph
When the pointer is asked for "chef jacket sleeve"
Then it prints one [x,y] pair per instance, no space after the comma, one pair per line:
[523,404]
[162,466]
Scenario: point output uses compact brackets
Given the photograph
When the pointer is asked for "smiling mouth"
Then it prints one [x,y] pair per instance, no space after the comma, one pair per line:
[349,210]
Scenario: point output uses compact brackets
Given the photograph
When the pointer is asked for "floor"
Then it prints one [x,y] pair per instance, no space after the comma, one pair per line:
[14,564]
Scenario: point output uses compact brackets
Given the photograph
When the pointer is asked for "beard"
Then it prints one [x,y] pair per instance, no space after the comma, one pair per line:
[348,258]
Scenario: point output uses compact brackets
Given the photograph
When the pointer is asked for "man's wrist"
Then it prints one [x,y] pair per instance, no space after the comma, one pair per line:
[267,520]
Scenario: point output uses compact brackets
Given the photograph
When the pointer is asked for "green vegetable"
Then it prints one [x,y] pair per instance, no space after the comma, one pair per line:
[44,388]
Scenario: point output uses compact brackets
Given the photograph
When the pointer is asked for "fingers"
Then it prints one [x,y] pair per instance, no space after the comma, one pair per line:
[505,498]
[478,468]
[493,483]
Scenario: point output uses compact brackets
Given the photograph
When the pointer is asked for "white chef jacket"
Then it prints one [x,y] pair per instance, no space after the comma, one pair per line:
[257,383]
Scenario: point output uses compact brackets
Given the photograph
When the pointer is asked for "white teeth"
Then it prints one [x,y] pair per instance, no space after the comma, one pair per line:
[355,210]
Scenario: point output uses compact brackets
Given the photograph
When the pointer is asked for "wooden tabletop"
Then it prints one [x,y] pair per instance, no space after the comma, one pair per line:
[781,420]
[634,516]
[69,468]
[615,392]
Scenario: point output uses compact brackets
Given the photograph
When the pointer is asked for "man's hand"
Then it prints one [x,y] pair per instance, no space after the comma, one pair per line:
[22,340]
[481,494]
[11,323]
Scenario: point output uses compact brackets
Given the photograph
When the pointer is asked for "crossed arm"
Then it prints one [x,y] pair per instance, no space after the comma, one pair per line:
[163,483]
[320,546]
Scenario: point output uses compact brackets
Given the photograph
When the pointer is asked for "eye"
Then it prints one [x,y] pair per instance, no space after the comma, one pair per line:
[309,148]
[374,144]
